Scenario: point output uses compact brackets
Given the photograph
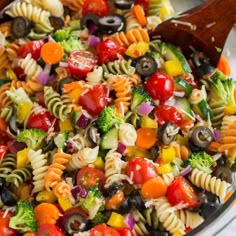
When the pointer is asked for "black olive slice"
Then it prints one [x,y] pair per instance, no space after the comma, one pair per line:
[202,137]
[20,27]
[63,81]
[167,133]
[137,200]
[111,24]
[13,125]
[56,22]
[8,198]
[205,70]
[88,21]
[123,4]
[2,183]
[49,146]
[125,206]
[155,152]
[75,223]
[158,233]
[208,209]
[112,189]
[146,65]
[223,173]
[222,161]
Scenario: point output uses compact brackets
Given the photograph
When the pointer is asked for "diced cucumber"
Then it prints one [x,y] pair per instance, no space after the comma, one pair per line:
[204,109]
[60,139]
[182,104]
[170,52]
[182,84]
[18,96]
[110,139]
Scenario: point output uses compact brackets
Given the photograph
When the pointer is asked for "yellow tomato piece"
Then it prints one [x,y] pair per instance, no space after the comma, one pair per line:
[64,203]
[22,158]
[46,196]
[147,122]
[66,125]
[116,220]
[163,169]
[23,110]
[168,154]
[99,163]
[137,49]
[173,68]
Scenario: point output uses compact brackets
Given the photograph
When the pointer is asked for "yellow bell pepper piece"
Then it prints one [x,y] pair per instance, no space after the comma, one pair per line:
[181,139]
[64,203]
[177,233]
[22,158]
[137,49]
[133,151]
[165,168]
[166,11]
[116,220]
[168,154]
[10,74]
[173,68]
[23,110]
[147,122]
[230,110]
[66,125]
[74,94]
[46,196]
[99,163]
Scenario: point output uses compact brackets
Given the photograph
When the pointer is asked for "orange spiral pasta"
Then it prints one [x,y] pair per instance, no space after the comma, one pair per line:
[4,100]
[62,189]
[135,79]
[122,87]
[12,50]
[5,28]
[132,36]
[73,5]
[62,72]
[55,170]
[4,62]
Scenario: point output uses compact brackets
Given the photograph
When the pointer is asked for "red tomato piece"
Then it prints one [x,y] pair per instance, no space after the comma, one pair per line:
[125,231]
[160,86]
[49,230]
[98,7]
[109,50]
[140,170]
[103,230]
[166,113]
[88,177]
[81,62]
[3,150]
[43,120]
[5,230]
[33,47]
[181,190]
[95,99]
[20,73]
[3,132]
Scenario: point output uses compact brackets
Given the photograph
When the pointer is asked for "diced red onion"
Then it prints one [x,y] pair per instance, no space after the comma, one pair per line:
[93,41]
[92,28]
[44,78]
[170,102]
[186,170]
[78,191]
[144,109]
[63,64]
[129,220]
[179,93]
[83,121]
[16,146]
[216,135]
[121,148]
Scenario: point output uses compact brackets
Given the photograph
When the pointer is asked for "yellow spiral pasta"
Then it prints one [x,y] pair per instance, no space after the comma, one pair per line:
[131,20]
[73,5]
[209,182]
[55,170]
[4,99]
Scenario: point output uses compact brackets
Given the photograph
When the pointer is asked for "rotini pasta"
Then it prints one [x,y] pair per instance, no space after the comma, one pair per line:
[7,165]
[62,189]
[6,113]
[73,5]
[131,21]
[127,134]
[62,72]
[209,182]
[5,29]
[4,100]
[4,62]
[12,50]
[140,223]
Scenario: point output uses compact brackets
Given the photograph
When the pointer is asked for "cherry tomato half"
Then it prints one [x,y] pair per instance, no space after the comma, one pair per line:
[125,231]
[140,170]
[181,190]
[103,230]
[43,120]
[3,131]
[95,99]
[5,230]
[49,230]
[109,50]
[81,62]
[98,7]
[88,177]
[166,113]
[33,47]
[160,86]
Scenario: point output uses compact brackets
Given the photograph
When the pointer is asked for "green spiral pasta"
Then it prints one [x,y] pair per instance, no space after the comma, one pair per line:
[54,104]
[8,165]
[118,67]
[6,113]
[217,108]
[133,118]
[20,175]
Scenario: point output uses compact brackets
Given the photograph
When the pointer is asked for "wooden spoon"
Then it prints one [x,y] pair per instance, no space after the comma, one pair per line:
[205,28]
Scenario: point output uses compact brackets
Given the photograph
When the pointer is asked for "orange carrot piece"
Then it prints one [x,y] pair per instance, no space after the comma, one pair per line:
[228,195]
[52,52]
[115,200]
[46,213]
[29,234]
[146,138]
[224,66]
[214,146]
[71,86]
[154,188]
[140,14]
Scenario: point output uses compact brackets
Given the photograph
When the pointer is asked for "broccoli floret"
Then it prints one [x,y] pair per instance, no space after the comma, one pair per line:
[107,119]
[201,161]
[98,219]
[24,219]
[93,202]
[32,137]
[71,44]
[139,96]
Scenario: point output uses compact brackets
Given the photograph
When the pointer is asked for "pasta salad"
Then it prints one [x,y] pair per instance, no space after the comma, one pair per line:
[105,131]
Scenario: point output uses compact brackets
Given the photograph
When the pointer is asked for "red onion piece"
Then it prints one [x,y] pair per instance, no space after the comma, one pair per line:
[16,146]
[93,41]
[83,121]
[44,78]
[78,191]
[186,170]
[92,28]
[129,220]
[144,109]
[121,148]
[216,135]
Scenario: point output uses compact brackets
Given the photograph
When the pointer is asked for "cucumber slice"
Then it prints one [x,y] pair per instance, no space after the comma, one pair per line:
[60,139]
[170,52]
[183,85]
[19,95]
[182,105]
[110,139]
[204,109]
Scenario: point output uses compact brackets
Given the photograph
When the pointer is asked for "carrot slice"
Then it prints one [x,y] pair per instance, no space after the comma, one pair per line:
[154,188]
[72,86]
[146,138]
[52,52]
[224,66]
[140,15]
